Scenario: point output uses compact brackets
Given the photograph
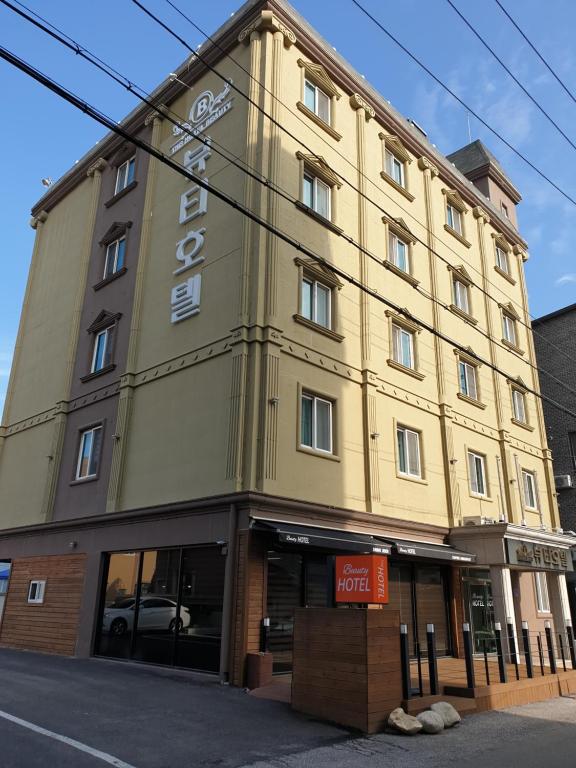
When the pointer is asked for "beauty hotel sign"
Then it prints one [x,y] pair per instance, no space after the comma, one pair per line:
[361,579]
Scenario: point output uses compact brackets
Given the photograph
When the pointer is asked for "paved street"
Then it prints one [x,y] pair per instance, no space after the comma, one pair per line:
[62,713]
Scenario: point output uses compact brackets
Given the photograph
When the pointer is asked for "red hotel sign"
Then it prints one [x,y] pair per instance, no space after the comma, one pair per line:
[361,579]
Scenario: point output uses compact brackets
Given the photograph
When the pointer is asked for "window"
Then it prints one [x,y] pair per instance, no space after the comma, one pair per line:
[461,295]
[89,453]
[477,473]
[316,302]
[502,261]
[36,591]
[114,257]
[468,379]
[403,346]
[572,442]
[519,405]
[509,328]
[542,598]
[530,495]
[408,443]
[394,167]
[454,218]
[317,101]
[504,208]
[398,252]
[125,175]
[316,423]
[316,195]
[102,354]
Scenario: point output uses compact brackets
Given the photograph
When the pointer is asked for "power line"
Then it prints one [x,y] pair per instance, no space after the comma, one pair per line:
[462,103]
[537,52]
[130,86]
[512,75]
[111,125]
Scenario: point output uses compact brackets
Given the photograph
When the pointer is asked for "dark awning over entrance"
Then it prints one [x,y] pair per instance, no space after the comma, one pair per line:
[432,551]
[326,538]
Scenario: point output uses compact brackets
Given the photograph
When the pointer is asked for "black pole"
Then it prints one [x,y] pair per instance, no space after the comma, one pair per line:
[468,655]
[501,662]
[570,634]
[405,662]
[419,666]
[540,654]
[432,666]
[551,656]
[265,635]
[562,654]
[486,670]
[527,654]
[512,647]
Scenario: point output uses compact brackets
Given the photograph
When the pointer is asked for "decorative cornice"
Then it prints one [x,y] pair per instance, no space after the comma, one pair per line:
[480,214]
[426,165]
[518,251]
[456,199]
[115,231]
[156,115]
[97,167]
[394,144]
[40,219]
[267,21]
[357,102]
[321,167]
[399,227]
[320,76]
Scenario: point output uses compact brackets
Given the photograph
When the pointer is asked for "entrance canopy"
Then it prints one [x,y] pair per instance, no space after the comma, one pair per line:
[324,538]
[432,551]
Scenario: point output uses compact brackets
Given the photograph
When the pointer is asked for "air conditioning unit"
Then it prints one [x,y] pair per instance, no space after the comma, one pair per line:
[479,520]
[563,481]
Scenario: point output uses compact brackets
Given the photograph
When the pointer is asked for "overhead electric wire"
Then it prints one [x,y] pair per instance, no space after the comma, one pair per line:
[511,74]
[114,127]
[129,85]
[301,142]
[537,52]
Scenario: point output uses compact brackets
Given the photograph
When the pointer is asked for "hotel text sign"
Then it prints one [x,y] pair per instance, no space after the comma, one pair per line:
[204,112]
[361,579]
[539,556]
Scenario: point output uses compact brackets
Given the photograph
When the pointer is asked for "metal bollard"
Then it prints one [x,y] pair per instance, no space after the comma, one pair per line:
[486,668]
[540,654]
[468,655]
[512,646]
[265,635]
[432,665]
[550,645]
[562,654]
[501,662]
[527,654]
[405,662]
[570,634]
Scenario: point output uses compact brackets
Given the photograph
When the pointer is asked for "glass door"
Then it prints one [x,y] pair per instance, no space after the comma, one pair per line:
[480,614]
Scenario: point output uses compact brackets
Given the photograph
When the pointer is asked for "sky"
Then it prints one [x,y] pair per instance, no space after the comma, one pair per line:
[42,136]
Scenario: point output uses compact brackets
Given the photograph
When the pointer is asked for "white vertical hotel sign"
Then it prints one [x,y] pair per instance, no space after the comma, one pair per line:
[185,297]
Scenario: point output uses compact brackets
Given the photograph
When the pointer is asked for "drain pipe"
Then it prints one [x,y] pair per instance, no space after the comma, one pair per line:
[228,598]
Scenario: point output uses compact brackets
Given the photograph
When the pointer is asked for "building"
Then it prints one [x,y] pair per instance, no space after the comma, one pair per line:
[201,413]
[555,343]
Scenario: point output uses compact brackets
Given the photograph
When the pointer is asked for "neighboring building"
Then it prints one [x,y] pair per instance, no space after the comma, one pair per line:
[555,342]
[200,416]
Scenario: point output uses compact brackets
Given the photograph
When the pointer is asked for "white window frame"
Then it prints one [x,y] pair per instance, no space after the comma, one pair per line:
[476,460]
[315,399]
[460,290]
[453,217]
[405,433]
[530,490]
[316,109]
[315,183]
[392,161]
[502,260]
[520,414]
[83,437]
[509,329]
[542,594]
[38,587]
[393,240]
[398,347]
[470,379]
[504,209]
[107,333]
[123,173]
[112,251]
[314,304]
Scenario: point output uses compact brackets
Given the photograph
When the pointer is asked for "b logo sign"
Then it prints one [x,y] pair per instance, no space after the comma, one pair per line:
[361,579]
[201,106]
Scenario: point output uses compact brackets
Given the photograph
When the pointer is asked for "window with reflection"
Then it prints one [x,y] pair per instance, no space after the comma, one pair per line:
[119,600]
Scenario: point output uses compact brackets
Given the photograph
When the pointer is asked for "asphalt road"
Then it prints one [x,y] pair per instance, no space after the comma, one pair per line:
[63,713]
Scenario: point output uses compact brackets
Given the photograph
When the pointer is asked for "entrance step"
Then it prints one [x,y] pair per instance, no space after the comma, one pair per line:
[420,703]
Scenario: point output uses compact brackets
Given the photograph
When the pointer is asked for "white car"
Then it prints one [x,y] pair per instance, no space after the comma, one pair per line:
[154,613]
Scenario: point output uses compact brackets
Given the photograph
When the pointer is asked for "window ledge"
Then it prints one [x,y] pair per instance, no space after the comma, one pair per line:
[512,347]
[319,454]
[110,279]
[463,314]
[457,235]
[411,478]
[118,195]
[317,327]
[480,497]
[397,187]
[522,424]
[471,400]
[318,120]
[404,369]
[318,217]
[505,275]
[101,372]
[83,480]
[400,272]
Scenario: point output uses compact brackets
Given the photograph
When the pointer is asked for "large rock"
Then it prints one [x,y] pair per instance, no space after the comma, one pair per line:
[447,713]
[400,721]
[432,722]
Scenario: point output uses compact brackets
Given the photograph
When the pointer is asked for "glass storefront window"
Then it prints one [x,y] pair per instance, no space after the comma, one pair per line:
[117,617]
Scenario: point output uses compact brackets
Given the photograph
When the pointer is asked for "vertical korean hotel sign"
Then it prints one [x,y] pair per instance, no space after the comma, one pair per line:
[361,579]
[205,111]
